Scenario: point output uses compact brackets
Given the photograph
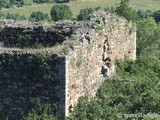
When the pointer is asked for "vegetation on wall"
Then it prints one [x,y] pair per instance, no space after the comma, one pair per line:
[79,61]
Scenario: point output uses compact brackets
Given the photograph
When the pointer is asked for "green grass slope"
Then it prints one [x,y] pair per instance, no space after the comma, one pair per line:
[80,4]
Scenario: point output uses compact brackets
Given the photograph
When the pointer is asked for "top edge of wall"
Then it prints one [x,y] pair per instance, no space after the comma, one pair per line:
[80,28]
[92,18]
[28,51]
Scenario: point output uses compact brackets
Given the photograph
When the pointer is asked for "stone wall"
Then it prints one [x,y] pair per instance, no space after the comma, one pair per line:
[28,76]
[79,66]
[31,35]
[93,59]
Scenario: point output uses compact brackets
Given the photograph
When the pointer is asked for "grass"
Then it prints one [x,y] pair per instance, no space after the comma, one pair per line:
[80,4]
[27,10]
[145,4]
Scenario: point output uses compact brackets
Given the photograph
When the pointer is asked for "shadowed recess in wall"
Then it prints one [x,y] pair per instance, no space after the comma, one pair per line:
[35,37]
[24,78]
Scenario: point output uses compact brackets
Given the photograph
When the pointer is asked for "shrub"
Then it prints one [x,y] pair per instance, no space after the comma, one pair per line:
[41,111]
[5,3]
[156,16]
[42,1]
[61,1]
[61,12]
[2,15]
[126,11]
[19,3]
[14,16]
[79,61]
[38,16]
[144,14]
[84,14]
[110,10]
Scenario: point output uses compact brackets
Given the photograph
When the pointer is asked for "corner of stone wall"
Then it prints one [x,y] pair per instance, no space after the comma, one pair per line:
[66,86]
[62,87]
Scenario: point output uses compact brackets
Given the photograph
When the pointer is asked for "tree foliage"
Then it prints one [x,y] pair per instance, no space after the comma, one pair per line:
[144,14]
[146,33]
[43,1]
[4,3]
[40,111]
[62,1]
[19,3]
[38,16]
[8,3]
[61,12]
[17,16]
[126,11]
[84,14]
[156,15]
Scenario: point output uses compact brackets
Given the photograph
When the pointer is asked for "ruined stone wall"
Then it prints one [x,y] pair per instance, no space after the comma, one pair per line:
[81,63]
[31,35]
[28,76]
[93,59]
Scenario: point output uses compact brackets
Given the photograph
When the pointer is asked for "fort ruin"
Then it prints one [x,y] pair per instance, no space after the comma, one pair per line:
[78,57]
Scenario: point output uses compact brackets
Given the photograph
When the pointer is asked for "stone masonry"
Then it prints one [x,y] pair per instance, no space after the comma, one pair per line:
[82,57]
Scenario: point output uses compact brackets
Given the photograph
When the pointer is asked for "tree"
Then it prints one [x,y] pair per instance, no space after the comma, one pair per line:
[146,34]
[84,14]
[3,3]
[61,12]
[43,1]
[156,15]
[19,3]
[38,16]
[2,16]
[15,16]
[144,14]
[62,1]
[126,11]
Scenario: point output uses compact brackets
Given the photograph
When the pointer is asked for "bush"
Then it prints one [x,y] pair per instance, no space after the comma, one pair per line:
[4,4]
[126,11]
[84,14]
[120,97]
[14,16]
[40,111]
[62,1]
[156,16]
[2,15]
[110,10]
[61,12]
[42,1]
[8,3]
[38,16]
[144,14]
[19,3]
